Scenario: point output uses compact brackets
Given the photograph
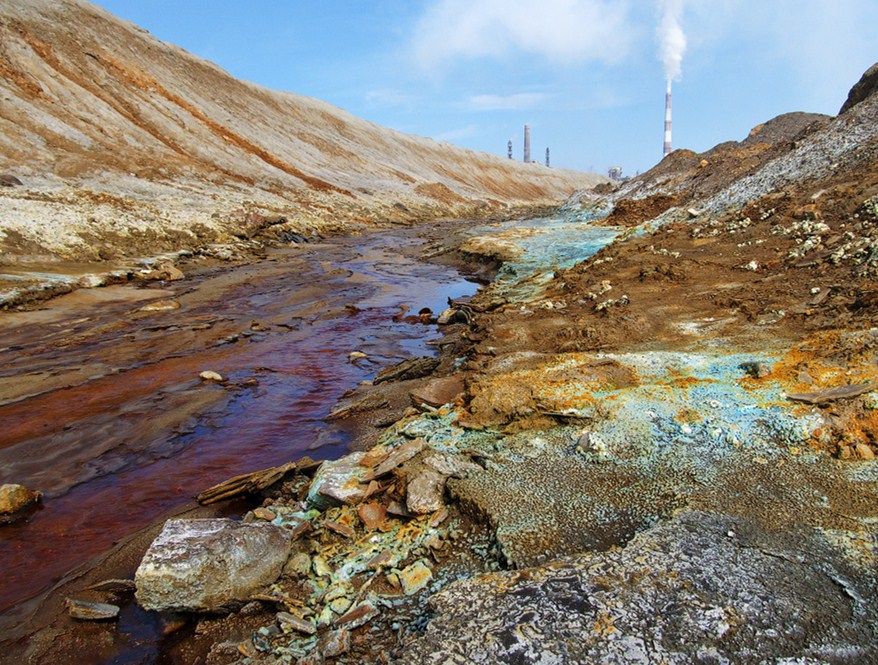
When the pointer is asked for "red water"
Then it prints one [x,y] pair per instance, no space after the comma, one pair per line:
[126,431]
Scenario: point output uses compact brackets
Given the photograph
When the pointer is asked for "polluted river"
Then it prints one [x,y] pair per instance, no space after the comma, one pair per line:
[105,412]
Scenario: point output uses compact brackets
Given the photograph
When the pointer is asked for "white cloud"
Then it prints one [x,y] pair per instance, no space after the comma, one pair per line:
[563,31]
[515,102]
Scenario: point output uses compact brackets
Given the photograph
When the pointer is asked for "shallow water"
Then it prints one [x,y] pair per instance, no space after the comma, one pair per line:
[103,410]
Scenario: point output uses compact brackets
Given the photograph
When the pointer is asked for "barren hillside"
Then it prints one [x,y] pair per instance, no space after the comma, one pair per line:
[125,144]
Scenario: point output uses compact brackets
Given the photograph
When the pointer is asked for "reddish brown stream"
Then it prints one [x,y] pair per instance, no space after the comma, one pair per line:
[102,408]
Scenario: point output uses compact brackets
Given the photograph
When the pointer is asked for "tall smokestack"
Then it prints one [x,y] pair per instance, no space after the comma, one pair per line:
[667,147]
[526,144]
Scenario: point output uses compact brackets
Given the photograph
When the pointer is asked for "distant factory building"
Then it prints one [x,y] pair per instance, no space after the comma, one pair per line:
[509,149]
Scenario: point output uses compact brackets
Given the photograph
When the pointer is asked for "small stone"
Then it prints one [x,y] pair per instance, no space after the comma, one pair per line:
[209,375]
[14,497]
[425,493]
[85,611]
[298,565]
[845,452]
[337,482]
[456,467]
[373,515]
[321,567]
[163,305]
[757,369]
[264,514]
[411,368]
[173,273]
[398,509]
[397,456]
[832,394]
[341,529]
[7,180]
[340,605]
[382,559]
[415,577]
[335,643]
[440,516]
[864,451]
[804,377]
[360,615]
[287,620]
[357,355]
[438,392]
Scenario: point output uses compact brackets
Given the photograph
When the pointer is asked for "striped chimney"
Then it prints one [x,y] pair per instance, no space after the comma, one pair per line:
[667,147]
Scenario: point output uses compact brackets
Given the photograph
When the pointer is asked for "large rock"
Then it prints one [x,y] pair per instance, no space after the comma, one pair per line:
[702,588]
[864,88]
[16,497]
[210,565]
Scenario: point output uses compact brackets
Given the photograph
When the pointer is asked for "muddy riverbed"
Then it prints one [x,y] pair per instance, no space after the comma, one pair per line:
[105,413]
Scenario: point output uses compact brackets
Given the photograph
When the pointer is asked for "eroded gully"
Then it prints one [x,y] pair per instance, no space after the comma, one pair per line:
[104,412]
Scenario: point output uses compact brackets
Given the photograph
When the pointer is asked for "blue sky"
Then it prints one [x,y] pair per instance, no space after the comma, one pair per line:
[587,75]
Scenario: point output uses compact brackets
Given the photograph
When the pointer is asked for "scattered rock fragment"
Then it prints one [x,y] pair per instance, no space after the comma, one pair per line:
[14,497]
[456,467]
[287,620]
[756,369]
[359,616]
[210,565]
[7,180]
[397,456]
[864,451]
[335,643]
[112,586]
[438,392]
[163,305]
[337,482]
[425,493]
[298,565]
[85,611]
[832,394]
[373,515]
[415,577]
[209,375]
[410,368]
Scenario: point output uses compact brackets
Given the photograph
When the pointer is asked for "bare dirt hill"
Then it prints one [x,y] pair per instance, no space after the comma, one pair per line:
[125,144]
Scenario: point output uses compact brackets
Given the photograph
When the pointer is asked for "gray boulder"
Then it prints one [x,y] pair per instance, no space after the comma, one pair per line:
[210,565]
[701,588]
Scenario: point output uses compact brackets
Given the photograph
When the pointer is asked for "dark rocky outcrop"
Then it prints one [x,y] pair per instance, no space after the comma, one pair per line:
[864,88]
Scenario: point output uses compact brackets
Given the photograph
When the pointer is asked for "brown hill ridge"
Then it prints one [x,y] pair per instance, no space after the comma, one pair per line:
[125,144]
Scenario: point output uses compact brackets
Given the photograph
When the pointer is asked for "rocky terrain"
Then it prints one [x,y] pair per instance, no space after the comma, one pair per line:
[116,145]
[651,439]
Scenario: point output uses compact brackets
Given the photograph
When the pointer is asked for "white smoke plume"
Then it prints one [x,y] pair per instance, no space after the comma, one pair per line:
[672,39]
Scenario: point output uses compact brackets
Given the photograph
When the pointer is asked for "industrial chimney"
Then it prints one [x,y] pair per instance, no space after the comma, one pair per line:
[526,144]
[667,147]
[547,156]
